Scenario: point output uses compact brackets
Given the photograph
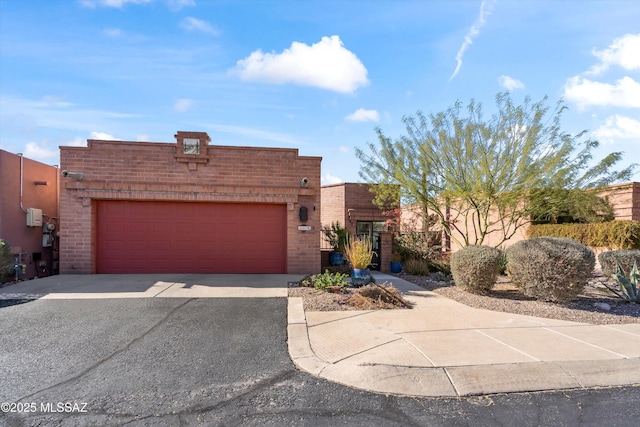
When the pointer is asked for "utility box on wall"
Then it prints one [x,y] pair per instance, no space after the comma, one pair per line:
[34,217]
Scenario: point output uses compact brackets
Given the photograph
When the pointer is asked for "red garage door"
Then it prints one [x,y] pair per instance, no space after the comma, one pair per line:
[167,237]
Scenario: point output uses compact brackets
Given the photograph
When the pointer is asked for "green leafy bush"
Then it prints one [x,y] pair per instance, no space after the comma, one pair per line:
[336,235]
[612,234]
[327,280]
[417,267]
[550,268]
[6,260]
[609,260]
[475,268]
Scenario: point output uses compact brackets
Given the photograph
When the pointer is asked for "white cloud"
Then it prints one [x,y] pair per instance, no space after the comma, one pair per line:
[176,5]
[142,138]
[254,134]
[624,52]
[328,179]
[111,3]
[618,127]
[113,32]
[192,24]
[510,83]
[39,152]
[77,142]
[344,149]
[102,135]
[584,92]
[326,65]
[486,7]
[362,115]
[182,105]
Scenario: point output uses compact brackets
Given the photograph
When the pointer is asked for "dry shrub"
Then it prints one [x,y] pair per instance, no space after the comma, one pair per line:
[552,269]
[475,268]
[609,261]
[375,297]
[417,267]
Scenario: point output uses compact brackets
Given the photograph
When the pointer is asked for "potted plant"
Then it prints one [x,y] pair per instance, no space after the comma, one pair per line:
[337,237]
[396,263]
[359,253]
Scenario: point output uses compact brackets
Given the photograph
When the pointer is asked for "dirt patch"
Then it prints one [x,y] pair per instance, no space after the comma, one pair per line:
[590,307]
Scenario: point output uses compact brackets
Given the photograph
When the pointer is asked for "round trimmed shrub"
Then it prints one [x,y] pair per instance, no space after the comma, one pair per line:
[550,268]
[609,260]
[476,268]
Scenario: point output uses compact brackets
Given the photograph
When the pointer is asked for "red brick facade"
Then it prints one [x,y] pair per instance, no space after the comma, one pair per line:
[124,170]
[349,203]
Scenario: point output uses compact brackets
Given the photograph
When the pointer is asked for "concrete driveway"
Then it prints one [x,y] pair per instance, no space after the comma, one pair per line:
[98,286]
[214,361]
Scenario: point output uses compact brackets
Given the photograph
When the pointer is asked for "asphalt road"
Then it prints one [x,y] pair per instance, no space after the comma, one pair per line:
[219,361]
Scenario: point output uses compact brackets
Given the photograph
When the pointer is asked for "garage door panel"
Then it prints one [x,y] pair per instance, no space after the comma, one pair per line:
[167,237]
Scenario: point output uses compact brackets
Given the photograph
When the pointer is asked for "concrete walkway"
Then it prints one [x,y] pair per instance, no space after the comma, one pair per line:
[444,348]
[95,286]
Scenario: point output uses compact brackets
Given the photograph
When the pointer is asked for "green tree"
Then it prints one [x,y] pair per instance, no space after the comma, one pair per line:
[476,175]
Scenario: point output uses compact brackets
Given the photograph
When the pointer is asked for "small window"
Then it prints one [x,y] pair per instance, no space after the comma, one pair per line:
[191,146]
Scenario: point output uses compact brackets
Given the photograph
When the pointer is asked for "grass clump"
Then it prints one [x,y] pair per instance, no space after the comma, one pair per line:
[417,267]
[359,252]
[476,268]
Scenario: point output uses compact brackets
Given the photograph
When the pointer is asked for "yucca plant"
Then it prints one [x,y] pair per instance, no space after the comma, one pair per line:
[358,252]
[627,286]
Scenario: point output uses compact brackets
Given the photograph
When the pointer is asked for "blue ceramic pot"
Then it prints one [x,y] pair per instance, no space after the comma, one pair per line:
[360,276]
[336,258]
[396,267]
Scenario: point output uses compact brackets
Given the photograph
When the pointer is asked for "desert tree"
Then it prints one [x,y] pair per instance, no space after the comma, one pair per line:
[477,175]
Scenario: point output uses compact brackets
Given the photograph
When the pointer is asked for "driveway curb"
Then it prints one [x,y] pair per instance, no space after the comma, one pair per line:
[452,381]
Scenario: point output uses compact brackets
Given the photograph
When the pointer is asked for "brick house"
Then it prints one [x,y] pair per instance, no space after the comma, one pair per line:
[29,213]
[188,207]
[352,205]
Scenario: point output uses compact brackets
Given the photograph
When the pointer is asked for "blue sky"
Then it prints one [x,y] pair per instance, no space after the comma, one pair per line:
[314,75]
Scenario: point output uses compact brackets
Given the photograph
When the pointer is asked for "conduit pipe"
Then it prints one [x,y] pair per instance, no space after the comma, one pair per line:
[21,173]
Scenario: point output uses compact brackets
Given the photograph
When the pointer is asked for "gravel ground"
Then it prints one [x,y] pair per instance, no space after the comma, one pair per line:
[587,308]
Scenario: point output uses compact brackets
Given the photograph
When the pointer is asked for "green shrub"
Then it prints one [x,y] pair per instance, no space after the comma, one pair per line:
[609,260]
[417,267]
[612,234]
[441,265]
[327,280]
[6,260]
[550,268]
[475,268]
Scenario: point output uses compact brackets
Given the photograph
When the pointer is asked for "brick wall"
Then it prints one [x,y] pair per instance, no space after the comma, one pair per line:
[625,199]
[349,203]
[123,170]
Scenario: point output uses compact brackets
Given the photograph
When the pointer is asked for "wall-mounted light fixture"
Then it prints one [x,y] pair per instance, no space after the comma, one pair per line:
[304,214]
[78,176]
[304,182]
